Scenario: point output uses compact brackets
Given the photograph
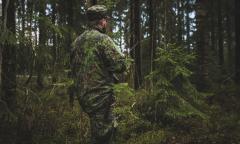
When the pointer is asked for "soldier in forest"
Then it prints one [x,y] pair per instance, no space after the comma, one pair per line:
[96,61]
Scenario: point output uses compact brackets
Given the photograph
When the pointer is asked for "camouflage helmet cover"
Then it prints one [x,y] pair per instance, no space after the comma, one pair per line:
[97,12]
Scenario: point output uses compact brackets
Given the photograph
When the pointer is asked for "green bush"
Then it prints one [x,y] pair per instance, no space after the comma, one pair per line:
[172,98]
[45,116]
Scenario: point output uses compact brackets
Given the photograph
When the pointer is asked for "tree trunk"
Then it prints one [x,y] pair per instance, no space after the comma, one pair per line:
[188,25]
[54,47]
[220,34]
[202,44]
[212,25]
[135,43]
[237,48]
[69,45]
[70,18]
[152,32]
[0,69]
[29,20]
[229,31]
[42,40]
[22,46]
[9,58]
[180,22]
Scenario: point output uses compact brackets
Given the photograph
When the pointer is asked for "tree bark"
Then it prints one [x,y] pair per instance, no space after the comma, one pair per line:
[22,46]
[188,25]
[180,22]
[229,31]
[152,32]
[55,47]
[0,70]
[220,34]
[29,18]
[202,44]
[42,45]
[9,58]
[237,48]
[212,25]
[70,19]
[135,43]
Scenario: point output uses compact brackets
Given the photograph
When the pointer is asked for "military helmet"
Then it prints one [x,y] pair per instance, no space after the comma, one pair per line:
[97,12]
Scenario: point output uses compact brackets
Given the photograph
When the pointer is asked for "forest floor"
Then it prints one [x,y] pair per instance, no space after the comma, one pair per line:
[46,117]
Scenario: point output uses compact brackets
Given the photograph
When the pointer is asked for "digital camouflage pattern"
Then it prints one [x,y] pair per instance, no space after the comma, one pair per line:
[97,60]
[97,12]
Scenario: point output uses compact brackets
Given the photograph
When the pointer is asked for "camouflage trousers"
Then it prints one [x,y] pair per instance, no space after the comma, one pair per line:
[103,127]
[98,105]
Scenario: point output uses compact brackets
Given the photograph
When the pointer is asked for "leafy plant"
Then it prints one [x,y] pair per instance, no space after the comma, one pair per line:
[172,98]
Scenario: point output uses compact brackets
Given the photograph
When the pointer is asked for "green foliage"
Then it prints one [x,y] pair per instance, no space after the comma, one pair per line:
[109,3]
[7,37]
[150,137]
[172,98]
[47,116]
[132,129]
[225,124]
[124,92]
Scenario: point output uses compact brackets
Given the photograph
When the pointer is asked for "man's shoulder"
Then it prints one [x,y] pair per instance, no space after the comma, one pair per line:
[93,36]
[94,33]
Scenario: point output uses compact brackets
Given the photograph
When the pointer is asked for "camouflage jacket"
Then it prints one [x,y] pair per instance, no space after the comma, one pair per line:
[96,60]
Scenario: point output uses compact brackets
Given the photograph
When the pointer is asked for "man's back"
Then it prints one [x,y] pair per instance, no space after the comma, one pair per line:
[96,60]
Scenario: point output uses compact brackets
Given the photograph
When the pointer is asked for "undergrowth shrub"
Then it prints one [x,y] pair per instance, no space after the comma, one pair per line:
[225,118]
[132,129]
[173,99]
[45,116]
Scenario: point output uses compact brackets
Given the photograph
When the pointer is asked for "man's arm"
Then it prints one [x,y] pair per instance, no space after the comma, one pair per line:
[113,58]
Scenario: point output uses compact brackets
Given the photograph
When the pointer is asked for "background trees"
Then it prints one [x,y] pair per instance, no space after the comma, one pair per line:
[180,49]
